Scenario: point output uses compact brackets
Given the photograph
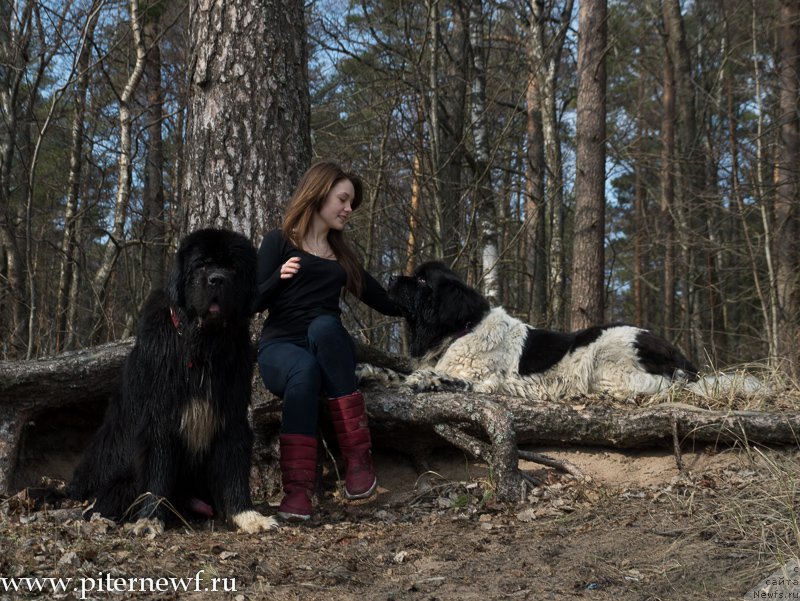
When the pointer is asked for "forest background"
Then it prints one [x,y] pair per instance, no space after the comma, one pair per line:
[579,163]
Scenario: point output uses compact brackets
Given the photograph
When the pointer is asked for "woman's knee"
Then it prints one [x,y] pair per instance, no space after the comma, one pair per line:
[292,374]
[328,331]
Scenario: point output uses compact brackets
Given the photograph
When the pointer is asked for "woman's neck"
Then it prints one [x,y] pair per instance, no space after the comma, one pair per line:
[317,233]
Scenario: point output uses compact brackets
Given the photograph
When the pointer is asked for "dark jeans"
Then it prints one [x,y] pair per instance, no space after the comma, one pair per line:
[299,370]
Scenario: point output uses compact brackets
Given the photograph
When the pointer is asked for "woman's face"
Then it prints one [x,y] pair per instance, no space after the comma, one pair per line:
[338,205]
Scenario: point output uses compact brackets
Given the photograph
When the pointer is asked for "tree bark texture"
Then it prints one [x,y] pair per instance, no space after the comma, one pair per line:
[787,213]
[154,225]
[484,195]
[248,138]
[588,258]
[667,200]
[536,233]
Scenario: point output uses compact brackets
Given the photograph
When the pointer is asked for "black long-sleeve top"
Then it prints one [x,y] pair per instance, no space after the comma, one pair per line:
[313,291]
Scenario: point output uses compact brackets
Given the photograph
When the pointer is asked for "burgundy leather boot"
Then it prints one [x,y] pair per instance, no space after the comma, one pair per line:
[352,431]
[298,474]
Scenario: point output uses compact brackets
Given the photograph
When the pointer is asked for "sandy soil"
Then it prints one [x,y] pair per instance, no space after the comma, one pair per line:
[637,530]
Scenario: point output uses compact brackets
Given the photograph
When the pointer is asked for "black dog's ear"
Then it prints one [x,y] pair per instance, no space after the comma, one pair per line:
[458,304]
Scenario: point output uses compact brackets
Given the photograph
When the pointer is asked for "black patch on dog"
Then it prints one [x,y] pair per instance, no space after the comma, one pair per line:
[178,429]
[544,348]
[436,305]
[658,357]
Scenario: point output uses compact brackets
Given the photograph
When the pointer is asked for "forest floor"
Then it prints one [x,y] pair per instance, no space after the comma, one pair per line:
[637,530]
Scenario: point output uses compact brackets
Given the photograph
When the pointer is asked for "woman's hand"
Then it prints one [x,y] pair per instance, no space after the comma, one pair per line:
[290,268]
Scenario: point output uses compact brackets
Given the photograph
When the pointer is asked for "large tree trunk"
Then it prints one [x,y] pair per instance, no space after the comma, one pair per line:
[248,138]
[588,257]
[787,214]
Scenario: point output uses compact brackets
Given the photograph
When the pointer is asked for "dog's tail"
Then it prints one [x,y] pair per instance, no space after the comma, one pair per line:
[729,384]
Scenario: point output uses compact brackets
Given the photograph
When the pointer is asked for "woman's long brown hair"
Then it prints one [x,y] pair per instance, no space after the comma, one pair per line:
[308,199]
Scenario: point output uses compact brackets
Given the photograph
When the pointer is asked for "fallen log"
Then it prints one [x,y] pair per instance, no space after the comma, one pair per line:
[486,426]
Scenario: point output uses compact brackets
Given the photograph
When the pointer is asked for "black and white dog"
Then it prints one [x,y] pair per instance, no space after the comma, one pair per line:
[178,429]
[461,342]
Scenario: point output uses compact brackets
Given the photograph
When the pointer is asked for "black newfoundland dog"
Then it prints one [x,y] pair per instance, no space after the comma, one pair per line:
[178,430]
[461,342]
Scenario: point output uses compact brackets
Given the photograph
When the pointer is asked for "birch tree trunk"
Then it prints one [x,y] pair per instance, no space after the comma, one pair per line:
[248,137]
[588,264]
[484,198]
[15,37]
[116,235]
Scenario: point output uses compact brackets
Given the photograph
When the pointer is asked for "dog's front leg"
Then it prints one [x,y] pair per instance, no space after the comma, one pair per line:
[229,479]
[156,473]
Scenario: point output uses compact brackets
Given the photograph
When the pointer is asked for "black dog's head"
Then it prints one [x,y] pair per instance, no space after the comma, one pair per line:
[213,277]
[436,303]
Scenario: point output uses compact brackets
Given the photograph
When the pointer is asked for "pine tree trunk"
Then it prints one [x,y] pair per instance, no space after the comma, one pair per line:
[641,314]
[787,214]
[248,138]
[535,239]
[588,263]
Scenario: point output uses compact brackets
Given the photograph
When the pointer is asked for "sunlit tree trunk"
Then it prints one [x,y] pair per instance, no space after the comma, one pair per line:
[116,236]
[248,139]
